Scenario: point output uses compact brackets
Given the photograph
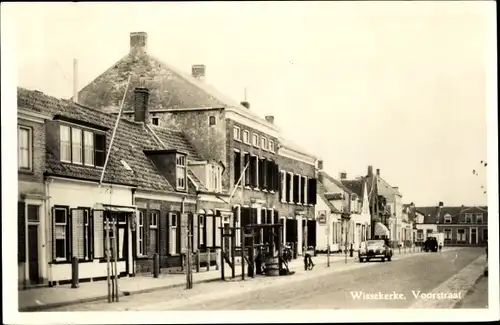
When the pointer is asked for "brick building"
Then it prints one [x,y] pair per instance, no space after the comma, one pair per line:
[278,180]
[467,226]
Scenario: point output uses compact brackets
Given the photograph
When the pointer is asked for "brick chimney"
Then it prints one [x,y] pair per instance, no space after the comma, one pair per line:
[141,109]
[320,164]
[378,172]
[138,43]
[370,171]
[198,71]
[270,119]
[246,104]
[343,175]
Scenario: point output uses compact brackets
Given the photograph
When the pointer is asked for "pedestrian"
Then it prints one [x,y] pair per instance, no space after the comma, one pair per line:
[308,262]
[440,247]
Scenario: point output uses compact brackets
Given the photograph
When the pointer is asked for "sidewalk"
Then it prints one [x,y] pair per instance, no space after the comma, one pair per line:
[477,296]
[46,298]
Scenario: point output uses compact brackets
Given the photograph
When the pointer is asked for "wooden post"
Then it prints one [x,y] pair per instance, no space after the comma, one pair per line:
[252,252]
[115,230]
[222,253]
[107,257]
[242,243]
[197,261]
[208,258]
[280,250]
[233,252]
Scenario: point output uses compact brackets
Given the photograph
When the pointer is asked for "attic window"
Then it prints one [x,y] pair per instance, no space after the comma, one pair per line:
[211,120]
[125,165]
[181,172]
[155,120]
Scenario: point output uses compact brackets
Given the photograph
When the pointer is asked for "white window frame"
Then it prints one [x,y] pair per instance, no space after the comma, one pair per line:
[66,237]
[88,150]
[65,143]
[479,216]
[271,146]
[237,133]
[291,188]
[263,143]
[180,177]
[283,185]
[153,225]
[459,238]
[76,147]
[468,218]
[446,232]
[299,189]
[173,233]
[214,119]
[447,219]
[255,140]
[246,135]
[201,228]
[306,198]
[29,148]
[140,238]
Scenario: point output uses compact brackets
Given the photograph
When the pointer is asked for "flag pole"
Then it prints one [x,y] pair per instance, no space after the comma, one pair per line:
[239,180]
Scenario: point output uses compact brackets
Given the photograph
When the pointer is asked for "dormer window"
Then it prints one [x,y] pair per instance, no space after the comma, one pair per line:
[468,218]
[80,146]
[447,218]
[479,218]
[181,171]
[214,179]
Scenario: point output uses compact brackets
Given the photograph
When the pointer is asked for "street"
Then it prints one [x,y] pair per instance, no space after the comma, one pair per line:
[342,286]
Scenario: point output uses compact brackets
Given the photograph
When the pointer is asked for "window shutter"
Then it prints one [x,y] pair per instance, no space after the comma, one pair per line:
[53,224]
[98,234]
[303,189]
[21,232]
[77,234]
[247,170]
[237,167]
[288,178]
[277,177]
[99,149]
[312,191]
[264,173]
[296,188]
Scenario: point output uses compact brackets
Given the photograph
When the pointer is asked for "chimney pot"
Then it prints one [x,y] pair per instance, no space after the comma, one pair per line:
[343,175]
[270,119]
[141,109]
[198,71]
[370,170]
[138,43]
[246,104]
[378,172]
[320,164]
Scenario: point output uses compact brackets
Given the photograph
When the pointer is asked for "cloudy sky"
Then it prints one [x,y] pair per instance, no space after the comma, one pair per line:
[401,86]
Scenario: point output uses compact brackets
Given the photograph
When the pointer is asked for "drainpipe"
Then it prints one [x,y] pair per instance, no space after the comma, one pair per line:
[134,244]
[48,229]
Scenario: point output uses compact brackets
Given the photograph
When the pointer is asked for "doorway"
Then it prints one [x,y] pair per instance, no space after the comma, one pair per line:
[33,264]
[473,236]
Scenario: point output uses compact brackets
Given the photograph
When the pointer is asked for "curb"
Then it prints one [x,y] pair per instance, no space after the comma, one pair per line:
[140,291]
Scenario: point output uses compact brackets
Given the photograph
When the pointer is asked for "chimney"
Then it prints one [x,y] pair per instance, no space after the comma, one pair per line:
[441,204]
[320,164]
[198,71]
[370,171]
[378,172]
[270,119]
[138,43]
[75,81]
[395,188]
[246,104]
[320,177]
[141,110]
[343,175]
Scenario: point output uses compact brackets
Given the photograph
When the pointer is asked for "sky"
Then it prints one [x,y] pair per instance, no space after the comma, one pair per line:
[401,86]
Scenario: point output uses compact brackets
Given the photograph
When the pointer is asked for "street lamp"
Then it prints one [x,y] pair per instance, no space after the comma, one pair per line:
[346,216]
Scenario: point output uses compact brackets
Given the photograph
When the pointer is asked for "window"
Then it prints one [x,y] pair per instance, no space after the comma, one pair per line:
[24,148]
[283,191]
[201,226]
[79,146]
[88,153]
[468,218]
[262,174]
[87,232]
[271,146]
[214,178]
[447,218]
[237,133]
[255,140]
[211,120]
[155,121]
[295,188]
[181,172]
[140,234]
[65,143]
[447,234]
[420,234]
[479,218]
[461,234]
[263,143]
[299,189]
[76,142]
[311,191]
[33,213]
[60,234]
[173,234]
[246,137]
[304,189]
[289,183]
[246,162]
[255,172]
[237,167]
[153,231]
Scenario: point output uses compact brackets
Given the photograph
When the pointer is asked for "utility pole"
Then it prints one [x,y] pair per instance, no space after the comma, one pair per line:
[328,239]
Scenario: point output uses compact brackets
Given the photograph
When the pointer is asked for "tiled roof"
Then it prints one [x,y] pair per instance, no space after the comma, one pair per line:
[385,189]
[321,193]
[355,185]
[336,182]
[175,140]
[430,213]
[197,182]
[130,140]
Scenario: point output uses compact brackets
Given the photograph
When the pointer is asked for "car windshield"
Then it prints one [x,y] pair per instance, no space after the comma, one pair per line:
[375,243]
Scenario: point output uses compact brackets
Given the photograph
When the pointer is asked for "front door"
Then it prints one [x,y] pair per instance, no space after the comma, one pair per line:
[34,277]
[473,236]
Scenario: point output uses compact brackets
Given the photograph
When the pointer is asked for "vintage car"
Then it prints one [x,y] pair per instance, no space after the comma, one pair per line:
[374,249]
[431,245]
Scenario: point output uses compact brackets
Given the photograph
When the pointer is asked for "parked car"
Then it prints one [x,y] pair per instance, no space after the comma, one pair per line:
[375,249]
[431,245]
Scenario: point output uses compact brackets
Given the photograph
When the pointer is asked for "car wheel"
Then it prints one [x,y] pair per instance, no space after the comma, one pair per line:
[360,260]
[389,258]
[367,259]
[383,259]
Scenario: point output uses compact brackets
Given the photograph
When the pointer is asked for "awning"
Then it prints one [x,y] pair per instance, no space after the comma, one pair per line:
[114,208]
[381,230]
